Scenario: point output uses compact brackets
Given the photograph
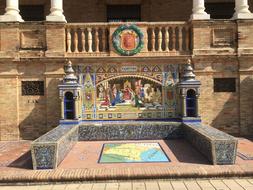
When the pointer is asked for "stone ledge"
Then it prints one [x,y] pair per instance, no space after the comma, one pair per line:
[175,172]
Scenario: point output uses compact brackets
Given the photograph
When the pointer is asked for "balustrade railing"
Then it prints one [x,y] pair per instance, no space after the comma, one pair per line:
[93,39]
[87,38]
[168,37]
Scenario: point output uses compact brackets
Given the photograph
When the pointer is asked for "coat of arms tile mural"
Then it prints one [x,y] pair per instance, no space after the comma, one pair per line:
[128,40]
[128,91]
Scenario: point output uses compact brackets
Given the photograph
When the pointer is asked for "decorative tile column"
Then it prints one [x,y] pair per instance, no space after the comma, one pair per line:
[242,10]
[12,12]
[56,14]
[188,82]
[198,11]
[70,84]
[183,102]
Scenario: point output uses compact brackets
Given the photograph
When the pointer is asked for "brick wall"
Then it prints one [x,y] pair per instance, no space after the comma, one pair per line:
[30,116]
[9,116]
[95,11]
[218,109]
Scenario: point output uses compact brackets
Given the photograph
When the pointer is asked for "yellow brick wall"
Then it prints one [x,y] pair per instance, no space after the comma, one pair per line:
[32,109]
[218,109]
[95,11]
[29,117]
[9,115]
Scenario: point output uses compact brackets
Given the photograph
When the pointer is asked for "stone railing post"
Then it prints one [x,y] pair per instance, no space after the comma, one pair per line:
[242,10]
[198,11]
[56,10]
[12,12]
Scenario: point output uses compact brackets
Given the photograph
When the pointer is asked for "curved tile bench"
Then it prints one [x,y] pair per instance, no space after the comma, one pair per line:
[50,149]
[218,147]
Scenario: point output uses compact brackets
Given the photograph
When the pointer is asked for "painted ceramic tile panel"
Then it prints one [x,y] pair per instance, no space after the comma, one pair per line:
[128,91]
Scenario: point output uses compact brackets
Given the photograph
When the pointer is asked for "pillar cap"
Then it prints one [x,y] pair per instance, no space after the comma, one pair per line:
[188,72]
[70,77]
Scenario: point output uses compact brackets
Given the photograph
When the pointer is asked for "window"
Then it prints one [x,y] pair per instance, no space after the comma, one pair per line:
[123,13]
[32,88]
[32,12]
[224,85]
[220,10]
[69,105]
[191,103]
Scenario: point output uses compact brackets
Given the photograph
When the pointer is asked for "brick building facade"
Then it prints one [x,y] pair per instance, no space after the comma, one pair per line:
[37,51]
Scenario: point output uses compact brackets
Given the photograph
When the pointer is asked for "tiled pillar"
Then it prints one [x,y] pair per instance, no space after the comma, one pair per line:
[242,10]
[197,106]
[12,12]
[198,10]
[62,108]
[76,108]
[184,114]
[56,14]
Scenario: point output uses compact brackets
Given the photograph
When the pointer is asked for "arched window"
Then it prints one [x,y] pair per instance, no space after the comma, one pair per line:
[69,106]
[191,103]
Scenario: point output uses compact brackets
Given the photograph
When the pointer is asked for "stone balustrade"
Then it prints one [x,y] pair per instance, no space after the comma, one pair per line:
[87,38]
[160,39]
[168,37]
[94,39]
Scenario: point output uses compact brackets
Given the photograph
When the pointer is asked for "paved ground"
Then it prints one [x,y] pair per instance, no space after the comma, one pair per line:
[81,164]
[198,184]
[87,154]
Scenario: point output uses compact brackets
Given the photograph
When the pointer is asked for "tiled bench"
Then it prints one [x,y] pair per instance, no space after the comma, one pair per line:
[130,130]
[50,149]
[217,146]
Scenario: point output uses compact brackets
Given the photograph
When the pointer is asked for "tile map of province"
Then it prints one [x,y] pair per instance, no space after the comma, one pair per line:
[132,153]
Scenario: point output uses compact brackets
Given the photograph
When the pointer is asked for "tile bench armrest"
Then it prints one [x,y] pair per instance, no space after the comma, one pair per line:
[218,147]
[50,149]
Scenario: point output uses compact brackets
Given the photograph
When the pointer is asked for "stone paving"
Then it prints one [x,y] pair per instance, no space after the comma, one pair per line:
[81,164]
[190,184]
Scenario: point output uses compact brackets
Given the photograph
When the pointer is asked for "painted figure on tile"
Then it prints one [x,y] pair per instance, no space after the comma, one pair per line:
[101,94]
[137,99]
[114,91]
[138,86]
[118,98]
[127,90]
[142,93]
[147,90]
[106,101]
[152,95]
[157,96]
[169,79]
[170,94]
[89,92]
